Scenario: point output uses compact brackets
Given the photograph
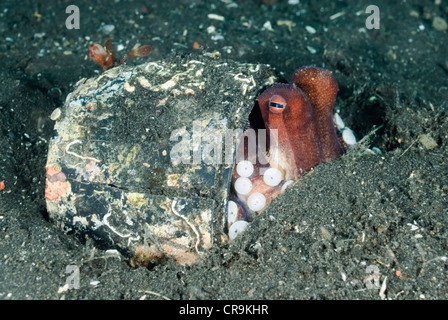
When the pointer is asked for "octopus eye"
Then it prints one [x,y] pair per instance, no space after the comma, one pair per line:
[277,104]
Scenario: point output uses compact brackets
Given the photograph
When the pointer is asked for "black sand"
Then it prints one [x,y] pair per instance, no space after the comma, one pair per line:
[361,227]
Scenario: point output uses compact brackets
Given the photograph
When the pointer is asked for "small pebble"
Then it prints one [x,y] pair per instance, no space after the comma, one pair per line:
[64,288]
[55,114]
[268,26]
[94,283]
[217,37]
[348,137]
[40,35]
[290,24]
[214,16]
[439,24]
[337,15]
[107,28]
[112,253]
[414,14]
[427,142]
[211,29]
[311,49]
[310,29]
[338,121]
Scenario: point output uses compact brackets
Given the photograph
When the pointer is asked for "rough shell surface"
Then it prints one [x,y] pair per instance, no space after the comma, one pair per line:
[110,173]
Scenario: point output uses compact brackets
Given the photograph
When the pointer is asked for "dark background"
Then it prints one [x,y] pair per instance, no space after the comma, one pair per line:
[388,211]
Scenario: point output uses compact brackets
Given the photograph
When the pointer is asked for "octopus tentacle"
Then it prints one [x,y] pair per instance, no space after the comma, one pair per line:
[300,134]
[321,89]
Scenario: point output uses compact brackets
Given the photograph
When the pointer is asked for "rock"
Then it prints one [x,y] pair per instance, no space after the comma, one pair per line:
[133,163]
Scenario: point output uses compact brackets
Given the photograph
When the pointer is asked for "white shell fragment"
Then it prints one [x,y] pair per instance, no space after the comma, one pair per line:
[55,114]
[237,228]
[243,185]
[267,26]
[338,121]
[310,29]
[232,212]
[256,201]
[348,137]
[245,168]
[214,16]
[272,177]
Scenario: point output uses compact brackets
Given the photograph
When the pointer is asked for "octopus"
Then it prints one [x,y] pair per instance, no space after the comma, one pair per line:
[297,130]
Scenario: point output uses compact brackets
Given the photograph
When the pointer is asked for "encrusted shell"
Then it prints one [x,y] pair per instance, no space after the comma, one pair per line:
[125,166]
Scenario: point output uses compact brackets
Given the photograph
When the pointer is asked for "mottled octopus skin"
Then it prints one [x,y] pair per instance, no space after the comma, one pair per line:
[305,129]
[298,142]
[321,89]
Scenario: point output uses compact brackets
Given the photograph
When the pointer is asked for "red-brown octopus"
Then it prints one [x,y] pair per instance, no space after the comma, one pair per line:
[301,132]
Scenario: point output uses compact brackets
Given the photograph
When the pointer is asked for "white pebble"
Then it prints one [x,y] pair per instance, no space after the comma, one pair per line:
[243,185]
[108,28]
[267,26]
[217,37]
[337,15]
[211,29]
[232,212]
[55,114]
[338,121]
[256,201]
[245,168]
[348,137]
[94,283]
[311,49]
[310,29]
[62,289]
[237,228]
[214,16]
[272,177]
